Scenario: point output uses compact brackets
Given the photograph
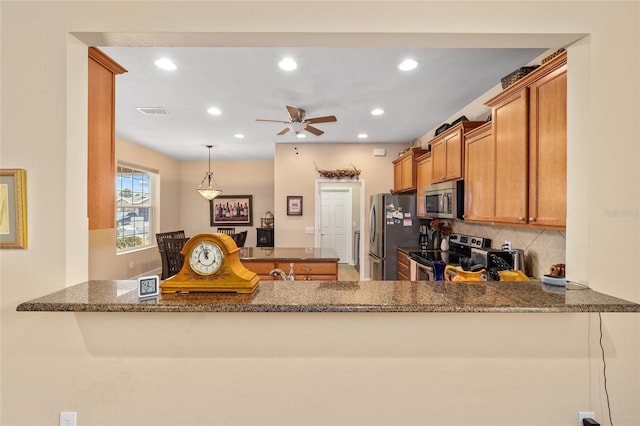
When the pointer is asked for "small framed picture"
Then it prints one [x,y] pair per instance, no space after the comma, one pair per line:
[294,205]
[148,286]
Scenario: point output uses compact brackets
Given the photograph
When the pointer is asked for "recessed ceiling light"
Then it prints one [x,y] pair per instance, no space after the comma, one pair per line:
[301,136]
[165,64]
[407,65]
[363,136]
[377,111]
[214,111]
[288,64]
[238,136]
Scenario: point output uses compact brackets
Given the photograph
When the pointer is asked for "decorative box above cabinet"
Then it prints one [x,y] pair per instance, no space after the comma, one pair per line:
[447,151]
[404,170]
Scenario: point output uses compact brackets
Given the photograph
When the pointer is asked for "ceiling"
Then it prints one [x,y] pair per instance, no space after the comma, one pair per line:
[245,83]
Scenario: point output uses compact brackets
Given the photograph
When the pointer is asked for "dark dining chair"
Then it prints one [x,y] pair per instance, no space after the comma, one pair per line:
[228,231]
[160,241]
[175,259]
[240,238]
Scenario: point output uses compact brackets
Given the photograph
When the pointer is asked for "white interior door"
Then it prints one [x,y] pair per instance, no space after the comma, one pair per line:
[335,222]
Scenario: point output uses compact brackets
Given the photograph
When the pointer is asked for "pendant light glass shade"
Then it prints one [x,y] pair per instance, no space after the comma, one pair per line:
[207,189]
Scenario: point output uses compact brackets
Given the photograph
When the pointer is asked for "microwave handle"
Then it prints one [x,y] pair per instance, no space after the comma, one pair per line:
[445,203]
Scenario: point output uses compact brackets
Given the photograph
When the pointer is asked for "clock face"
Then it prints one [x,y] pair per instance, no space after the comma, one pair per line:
[205,258]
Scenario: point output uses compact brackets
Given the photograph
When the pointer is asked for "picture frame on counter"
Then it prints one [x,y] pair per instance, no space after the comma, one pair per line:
[228,210]
[13,209]
[294,205]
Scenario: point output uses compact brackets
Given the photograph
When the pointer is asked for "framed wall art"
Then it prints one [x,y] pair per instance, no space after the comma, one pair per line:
[294,205]
[231,210]
[13,209]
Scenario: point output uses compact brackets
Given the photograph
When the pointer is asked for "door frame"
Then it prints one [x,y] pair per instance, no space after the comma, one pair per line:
[349,218]
[361,215]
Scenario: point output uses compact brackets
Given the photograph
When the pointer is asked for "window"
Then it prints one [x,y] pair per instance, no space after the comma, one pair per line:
[134,208]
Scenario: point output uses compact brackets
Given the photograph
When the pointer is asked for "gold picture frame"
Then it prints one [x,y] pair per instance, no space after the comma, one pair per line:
[13,209]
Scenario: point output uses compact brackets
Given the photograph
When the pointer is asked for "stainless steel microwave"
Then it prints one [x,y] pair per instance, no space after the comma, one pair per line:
[444,200]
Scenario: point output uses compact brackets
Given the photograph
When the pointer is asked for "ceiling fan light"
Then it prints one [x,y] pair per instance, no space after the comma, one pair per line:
[301,136]
[297,127]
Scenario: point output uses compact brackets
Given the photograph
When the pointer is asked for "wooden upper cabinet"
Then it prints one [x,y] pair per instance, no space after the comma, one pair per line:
[548,150]
[101,140]
[424,171]
[447,151]
[479,175]
[510,131]
[404,171]
[530,136]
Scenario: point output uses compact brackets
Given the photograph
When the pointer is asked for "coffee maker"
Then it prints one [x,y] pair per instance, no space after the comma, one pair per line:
[423,239]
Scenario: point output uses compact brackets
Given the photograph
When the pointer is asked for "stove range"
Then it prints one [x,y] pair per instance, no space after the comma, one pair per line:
[460,246]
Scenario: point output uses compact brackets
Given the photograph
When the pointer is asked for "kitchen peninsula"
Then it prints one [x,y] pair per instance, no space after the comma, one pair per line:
[308,263]
[340,296]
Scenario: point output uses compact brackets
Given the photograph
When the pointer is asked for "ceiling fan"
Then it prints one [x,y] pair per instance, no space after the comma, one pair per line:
[298,122]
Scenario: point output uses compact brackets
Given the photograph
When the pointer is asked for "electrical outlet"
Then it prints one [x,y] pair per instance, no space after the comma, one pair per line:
[585,415]
[68,418]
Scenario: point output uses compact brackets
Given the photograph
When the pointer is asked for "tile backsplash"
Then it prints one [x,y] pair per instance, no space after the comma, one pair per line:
[542,248]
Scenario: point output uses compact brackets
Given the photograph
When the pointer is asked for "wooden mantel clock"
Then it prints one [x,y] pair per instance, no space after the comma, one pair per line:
[211,264]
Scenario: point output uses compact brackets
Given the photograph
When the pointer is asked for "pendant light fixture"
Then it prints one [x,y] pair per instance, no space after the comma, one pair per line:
[209,192]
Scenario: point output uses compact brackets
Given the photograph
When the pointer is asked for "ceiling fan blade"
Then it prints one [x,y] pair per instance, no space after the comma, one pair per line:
[294,113]
[283,131]
[272,121]
[326,119]
[313,130]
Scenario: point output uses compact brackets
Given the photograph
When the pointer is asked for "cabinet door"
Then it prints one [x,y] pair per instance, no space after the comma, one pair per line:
[479,185]
[407,173]
[548,150]
[510,132]
[424,169]
[438,153]
[397,176]
[403,266]
[453,156]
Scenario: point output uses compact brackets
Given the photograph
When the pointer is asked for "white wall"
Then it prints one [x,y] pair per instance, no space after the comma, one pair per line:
[446,369]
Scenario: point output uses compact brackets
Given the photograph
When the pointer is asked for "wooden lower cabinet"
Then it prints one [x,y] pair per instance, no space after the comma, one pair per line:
[311,271]
[304,271]
[403,265]
[260,267]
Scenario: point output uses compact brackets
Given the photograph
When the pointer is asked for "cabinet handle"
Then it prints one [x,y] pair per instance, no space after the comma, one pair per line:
[532,219]
[520,218]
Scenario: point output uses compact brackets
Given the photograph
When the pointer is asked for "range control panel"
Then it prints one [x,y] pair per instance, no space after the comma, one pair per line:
[470,241]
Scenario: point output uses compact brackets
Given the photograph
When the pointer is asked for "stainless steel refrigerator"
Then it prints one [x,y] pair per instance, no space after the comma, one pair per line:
[392,224]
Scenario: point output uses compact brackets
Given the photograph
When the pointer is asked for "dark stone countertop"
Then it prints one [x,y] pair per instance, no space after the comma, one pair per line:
[339,296]
[305,254]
